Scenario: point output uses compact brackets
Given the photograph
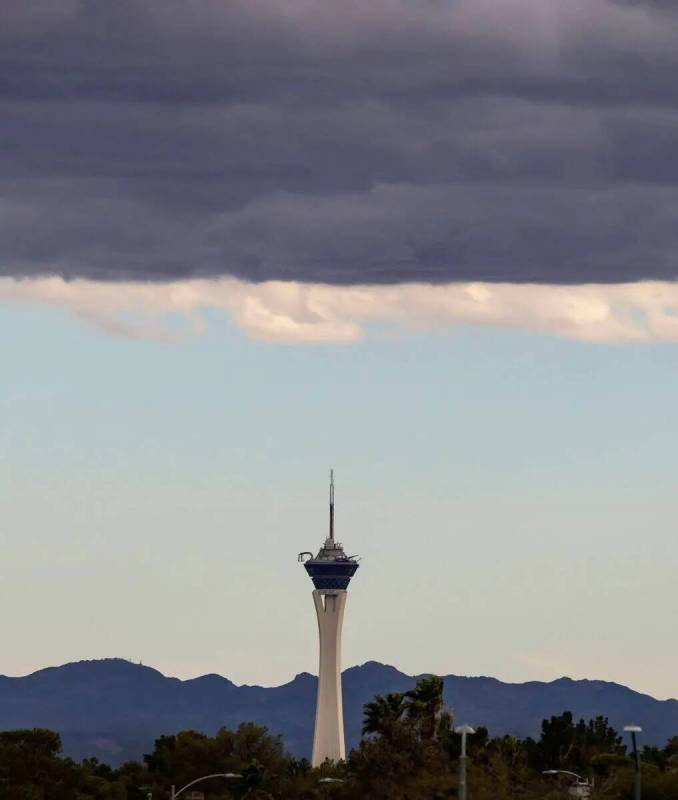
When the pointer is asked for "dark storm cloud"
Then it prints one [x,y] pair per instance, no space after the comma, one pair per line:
[346,142]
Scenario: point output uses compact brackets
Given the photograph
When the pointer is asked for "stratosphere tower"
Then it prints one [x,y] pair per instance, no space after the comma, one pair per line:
[331,572]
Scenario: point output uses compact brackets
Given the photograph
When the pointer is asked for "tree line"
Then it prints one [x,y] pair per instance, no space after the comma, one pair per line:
[409,751]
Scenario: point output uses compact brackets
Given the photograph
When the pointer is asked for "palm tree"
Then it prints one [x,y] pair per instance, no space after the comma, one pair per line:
[424,704]
[383,713]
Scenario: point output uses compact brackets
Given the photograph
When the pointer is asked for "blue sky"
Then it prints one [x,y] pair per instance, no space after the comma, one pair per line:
[431,245]
[512,496]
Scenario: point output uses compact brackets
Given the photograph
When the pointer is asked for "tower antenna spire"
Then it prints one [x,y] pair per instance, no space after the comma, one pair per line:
[331,505]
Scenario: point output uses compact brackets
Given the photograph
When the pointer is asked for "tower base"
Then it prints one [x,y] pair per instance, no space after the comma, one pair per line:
[328,737]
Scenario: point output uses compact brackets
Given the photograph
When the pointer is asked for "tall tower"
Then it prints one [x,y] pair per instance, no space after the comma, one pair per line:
[331,572]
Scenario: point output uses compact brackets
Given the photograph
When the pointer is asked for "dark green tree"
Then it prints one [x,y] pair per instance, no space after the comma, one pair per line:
[382,713]
[566,745]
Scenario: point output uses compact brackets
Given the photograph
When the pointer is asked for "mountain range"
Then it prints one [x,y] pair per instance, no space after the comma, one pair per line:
[114,709]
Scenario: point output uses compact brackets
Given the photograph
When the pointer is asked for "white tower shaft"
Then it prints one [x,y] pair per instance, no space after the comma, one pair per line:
[328,738]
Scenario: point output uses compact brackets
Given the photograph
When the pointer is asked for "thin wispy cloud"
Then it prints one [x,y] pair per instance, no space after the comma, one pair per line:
[346,143]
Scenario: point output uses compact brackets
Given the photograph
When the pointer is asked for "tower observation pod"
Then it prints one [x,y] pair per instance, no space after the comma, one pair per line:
[331,572]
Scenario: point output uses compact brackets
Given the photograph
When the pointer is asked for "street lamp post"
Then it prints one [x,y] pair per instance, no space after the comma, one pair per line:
[582,786]
[227,775]
[633,730]
[464,731]
[329,783]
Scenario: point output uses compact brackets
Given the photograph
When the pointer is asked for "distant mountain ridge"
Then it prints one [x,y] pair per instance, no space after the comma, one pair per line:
[114,709]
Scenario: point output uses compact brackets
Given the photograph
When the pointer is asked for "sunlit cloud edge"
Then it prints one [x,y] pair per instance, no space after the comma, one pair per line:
[311,313]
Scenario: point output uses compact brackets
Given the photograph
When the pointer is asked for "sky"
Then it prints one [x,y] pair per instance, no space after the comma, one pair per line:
[430,245]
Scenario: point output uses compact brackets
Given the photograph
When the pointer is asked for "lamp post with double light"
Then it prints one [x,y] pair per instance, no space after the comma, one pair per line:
[580,788]
[227,775]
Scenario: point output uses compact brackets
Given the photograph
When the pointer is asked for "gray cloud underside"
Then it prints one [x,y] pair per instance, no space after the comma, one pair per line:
[341,142]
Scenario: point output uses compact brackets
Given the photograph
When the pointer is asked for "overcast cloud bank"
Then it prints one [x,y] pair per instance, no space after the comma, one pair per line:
[345,142]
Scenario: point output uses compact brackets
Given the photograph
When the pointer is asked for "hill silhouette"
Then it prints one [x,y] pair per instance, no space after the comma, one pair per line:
[114,709]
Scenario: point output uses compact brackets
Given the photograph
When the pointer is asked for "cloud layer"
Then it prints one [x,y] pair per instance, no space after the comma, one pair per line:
[298,313]
[349,143]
